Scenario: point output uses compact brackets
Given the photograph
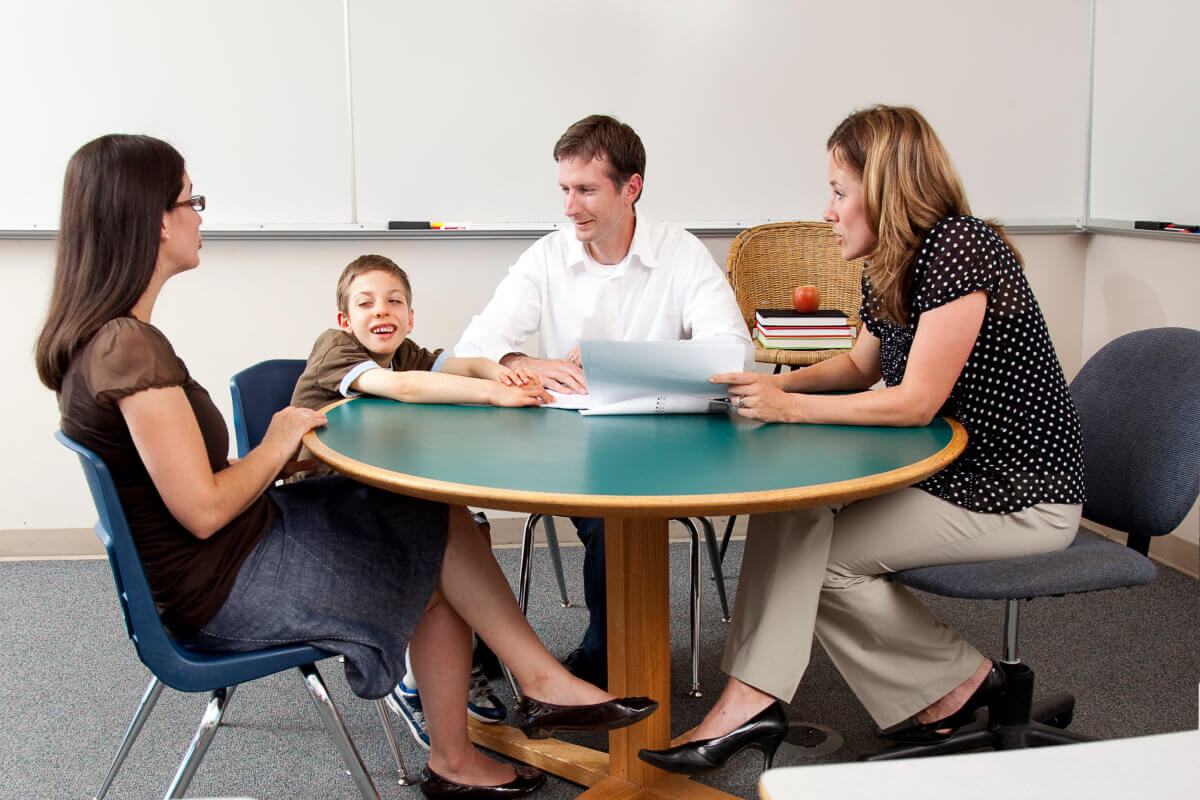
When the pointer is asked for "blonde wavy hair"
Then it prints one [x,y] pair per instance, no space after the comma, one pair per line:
[909,184]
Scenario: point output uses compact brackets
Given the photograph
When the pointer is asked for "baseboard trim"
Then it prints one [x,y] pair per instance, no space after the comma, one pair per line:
[25,544]
[48,543]
[1171,551]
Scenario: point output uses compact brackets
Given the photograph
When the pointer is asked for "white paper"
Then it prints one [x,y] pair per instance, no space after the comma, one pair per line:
[652,377]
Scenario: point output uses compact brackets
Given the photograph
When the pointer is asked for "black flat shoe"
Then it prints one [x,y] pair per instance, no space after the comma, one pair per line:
[435,787]
[913,732]
[539,720]
[765,730]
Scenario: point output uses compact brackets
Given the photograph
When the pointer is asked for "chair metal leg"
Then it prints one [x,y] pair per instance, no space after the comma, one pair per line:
[523,588]
[725,536]
[556,558]
[402,776]
[694,600]
[217,703]
[714,559]
[337,729]
[149,698]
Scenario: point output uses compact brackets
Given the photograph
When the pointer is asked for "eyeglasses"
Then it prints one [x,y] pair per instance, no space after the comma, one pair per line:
[196,201]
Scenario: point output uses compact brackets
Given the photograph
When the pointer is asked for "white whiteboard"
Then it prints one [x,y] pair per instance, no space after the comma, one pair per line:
[457,105]
[293,119]
[253,93]
[1146,118]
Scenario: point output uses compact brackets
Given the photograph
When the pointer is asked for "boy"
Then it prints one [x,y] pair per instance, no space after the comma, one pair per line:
[369,353]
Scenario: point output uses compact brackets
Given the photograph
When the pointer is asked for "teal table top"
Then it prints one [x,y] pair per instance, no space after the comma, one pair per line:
[555,461]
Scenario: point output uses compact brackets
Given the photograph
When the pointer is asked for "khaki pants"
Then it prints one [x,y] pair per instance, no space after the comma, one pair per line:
[823,571]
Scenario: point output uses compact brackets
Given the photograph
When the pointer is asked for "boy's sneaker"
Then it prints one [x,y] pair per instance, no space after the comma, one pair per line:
[482,703]
[407,703]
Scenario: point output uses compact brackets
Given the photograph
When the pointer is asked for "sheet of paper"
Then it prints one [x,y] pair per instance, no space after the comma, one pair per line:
[652,377]
[569,402]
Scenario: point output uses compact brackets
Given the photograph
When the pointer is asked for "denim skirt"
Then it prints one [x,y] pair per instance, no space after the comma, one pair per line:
[344,567]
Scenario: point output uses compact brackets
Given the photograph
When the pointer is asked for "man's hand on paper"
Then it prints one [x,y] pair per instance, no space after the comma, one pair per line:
[560,374]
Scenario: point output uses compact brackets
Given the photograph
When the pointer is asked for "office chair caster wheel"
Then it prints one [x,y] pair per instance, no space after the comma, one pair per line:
[1061,720]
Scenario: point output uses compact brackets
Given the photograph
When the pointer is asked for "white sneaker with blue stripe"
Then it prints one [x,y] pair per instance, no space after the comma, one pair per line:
[407,703]
[482,703]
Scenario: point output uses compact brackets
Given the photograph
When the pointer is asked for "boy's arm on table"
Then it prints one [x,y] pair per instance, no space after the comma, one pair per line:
[418,386]
[487,369]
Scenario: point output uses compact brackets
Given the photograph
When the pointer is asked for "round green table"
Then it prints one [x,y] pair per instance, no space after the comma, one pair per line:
[638,472]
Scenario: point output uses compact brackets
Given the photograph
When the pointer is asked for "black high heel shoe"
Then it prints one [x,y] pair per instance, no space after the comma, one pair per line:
[913,732]
[765,730]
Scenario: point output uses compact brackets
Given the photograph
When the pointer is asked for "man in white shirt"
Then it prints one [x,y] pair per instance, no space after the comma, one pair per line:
[614,275]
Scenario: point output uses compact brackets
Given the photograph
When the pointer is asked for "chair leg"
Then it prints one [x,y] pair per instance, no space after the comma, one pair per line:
[725,536]
[149,698]
[337,729]
[523,588]
[556,558]
[967,738]
[714,558]
[1038,735]
[402,776]
[693,600]
[217,703]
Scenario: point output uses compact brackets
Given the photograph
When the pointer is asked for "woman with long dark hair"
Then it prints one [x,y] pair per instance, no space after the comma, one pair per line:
[236,563]
[952,327]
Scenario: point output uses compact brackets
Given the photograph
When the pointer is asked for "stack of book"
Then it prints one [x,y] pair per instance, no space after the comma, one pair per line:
[783,328]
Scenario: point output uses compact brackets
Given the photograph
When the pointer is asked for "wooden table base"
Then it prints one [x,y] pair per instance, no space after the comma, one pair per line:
[639,663]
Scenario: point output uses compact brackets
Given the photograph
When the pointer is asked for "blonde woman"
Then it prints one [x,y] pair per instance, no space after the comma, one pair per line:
[952,328]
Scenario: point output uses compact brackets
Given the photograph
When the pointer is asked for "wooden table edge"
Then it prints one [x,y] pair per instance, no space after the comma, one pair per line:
[639,505]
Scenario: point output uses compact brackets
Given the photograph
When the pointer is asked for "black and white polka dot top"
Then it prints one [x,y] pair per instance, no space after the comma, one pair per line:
[1023,445]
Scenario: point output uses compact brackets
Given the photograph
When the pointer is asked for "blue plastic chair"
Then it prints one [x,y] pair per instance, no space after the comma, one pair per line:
[258,392]
[1138,400]
[190,670]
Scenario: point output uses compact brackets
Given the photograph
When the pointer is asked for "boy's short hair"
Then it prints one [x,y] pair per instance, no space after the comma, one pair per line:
[609,139]
[361,266]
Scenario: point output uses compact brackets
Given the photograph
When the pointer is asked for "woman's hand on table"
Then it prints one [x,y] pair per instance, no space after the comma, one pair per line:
[758,397]
[287,427]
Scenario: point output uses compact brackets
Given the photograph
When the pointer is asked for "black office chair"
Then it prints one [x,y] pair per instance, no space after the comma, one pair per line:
[1139,406]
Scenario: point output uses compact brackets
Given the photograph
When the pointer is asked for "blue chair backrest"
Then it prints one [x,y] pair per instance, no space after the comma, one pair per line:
[137,603]
[258,392]
[1139,406]
[175,665]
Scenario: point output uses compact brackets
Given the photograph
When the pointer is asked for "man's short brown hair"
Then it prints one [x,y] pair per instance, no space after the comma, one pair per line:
[608,139]
[361,266]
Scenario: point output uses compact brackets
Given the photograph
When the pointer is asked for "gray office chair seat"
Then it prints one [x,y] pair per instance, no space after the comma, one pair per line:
[1085,566]
[1138,400]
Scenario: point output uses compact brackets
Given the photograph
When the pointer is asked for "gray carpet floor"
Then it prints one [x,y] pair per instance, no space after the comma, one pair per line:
[69,682]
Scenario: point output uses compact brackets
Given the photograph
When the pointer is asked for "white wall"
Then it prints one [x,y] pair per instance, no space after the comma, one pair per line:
[1140,282]
[251,300]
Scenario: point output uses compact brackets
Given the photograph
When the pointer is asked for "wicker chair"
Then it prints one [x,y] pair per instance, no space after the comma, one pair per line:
[767,262]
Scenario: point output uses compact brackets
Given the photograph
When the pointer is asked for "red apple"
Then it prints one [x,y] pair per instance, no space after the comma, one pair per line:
[806,298]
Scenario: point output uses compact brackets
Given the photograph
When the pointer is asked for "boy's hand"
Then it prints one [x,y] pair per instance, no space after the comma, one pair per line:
[516,377]
[530,394]
[559,374]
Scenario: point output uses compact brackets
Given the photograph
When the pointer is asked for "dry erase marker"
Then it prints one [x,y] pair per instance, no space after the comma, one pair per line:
[450,226]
